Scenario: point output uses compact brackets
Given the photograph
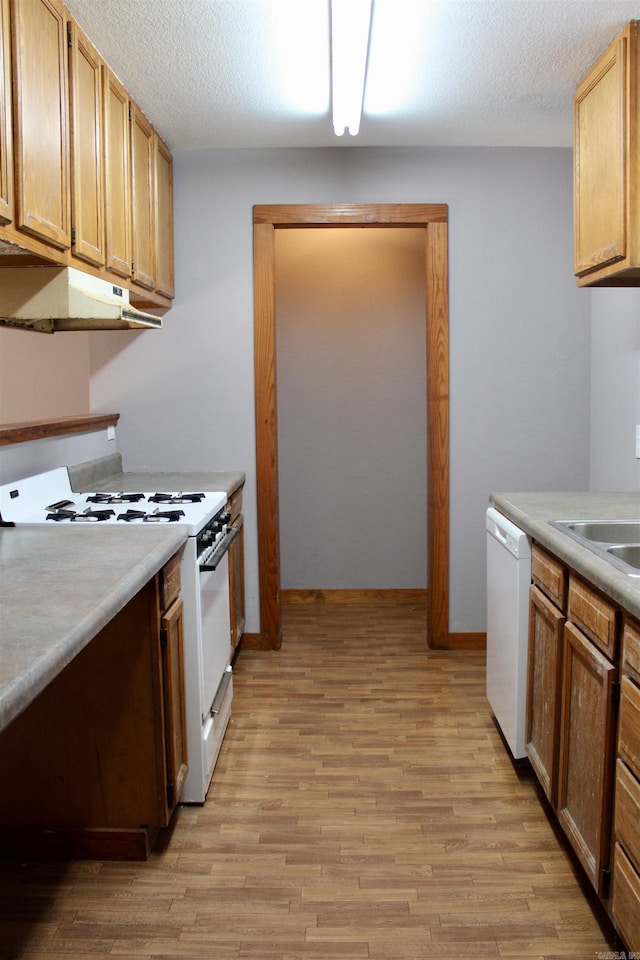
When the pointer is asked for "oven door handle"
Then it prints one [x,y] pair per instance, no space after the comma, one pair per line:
[213,559]
[221,693]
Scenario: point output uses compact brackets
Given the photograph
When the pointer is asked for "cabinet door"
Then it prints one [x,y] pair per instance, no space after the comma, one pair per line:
[625,904]
[236,583]
[164,271]
[39,37]
[143,199]
[6,135]
[172,633]
[544,689]
[86,102]
[117,181]
[585,781]
[601,139]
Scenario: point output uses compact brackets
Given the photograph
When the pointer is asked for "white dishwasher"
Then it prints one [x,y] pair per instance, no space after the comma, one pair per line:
[508,581]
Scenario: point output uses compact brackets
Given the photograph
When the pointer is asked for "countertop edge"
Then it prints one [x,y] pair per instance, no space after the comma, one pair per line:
[534,512]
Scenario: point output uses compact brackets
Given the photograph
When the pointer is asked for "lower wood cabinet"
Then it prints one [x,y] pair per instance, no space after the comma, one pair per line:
[583,729]
[625,898]
[93,767]
[173,685]
[546,624]
[236,569]
[585,775]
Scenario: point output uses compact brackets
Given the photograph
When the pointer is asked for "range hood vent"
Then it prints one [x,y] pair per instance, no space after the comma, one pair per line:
[46,299]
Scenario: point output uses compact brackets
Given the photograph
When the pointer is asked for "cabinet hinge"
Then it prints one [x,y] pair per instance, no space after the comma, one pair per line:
[69,35]
[133,267]
[605,882]
[130,114]
[163,636]
[73,234]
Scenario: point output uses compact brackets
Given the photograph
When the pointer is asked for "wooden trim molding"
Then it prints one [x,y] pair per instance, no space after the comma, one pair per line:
[409,596]
[465,641]
[433,218]
[252,641]
[39,429]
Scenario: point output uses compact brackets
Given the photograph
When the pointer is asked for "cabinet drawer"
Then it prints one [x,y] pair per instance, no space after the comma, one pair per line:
[629,725]
[625,903]
[594,614]
[627,812]
[549,575]
[631,649]
[170,581]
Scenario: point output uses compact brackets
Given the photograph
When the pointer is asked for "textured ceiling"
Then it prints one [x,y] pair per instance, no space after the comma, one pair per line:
[255,73]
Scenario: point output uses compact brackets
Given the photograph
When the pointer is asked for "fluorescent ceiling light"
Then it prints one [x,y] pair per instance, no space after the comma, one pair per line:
[350,22]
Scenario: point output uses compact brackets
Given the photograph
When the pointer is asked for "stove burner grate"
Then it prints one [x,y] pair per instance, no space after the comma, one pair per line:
[115,497]
[132,515]
[176,497]
[164,516]
[88,516]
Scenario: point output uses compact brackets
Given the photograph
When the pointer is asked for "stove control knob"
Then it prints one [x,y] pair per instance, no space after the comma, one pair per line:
[224,517]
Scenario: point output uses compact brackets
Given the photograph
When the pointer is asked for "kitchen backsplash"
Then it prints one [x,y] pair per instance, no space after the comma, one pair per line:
[36,456]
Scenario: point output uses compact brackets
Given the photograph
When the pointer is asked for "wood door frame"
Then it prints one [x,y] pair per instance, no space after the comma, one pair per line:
[434,219]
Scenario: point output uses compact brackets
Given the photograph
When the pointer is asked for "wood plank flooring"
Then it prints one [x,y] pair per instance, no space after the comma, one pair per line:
[363,806]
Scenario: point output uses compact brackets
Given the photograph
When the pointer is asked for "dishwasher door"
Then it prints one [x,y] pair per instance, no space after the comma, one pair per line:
[508,581]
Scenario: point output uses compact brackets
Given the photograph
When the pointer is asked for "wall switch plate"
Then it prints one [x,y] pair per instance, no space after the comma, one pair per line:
[638,441]
[111,435]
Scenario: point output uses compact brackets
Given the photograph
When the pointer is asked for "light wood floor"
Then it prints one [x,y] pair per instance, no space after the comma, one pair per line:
[363,807]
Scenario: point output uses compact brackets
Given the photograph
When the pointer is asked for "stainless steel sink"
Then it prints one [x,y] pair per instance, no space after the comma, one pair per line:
[630,553]
[617,541]
[605,531]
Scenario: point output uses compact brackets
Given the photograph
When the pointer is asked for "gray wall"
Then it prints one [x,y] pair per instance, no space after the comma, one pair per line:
[351,401]
[615,389]
[520,332]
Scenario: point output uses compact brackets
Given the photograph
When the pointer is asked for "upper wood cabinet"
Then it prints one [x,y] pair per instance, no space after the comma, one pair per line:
[87,134]
[163,177]
[117,167]
[6,144]
[142,210]
[84,177]
[606,168]
[39,42]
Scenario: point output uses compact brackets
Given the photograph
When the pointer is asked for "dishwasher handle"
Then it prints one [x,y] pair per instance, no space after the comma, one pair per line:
[507,534]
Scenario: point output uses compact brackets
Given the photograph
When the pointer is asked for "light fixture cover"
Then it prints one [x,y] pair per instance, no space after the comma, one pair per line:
[350,25]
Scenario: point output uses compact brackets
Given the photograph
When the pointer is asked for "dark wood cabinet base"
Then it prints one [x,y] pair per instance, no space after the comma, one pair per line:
[78,843]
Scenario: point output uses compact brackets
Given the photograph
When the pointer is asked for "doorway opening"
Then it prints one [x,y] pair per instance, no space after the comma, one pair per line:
[432,219]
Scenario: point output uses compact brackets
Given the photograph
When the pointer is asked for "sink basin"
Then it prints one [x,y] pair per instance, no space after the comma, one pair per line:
[617,541]
[628,554]
[606,531]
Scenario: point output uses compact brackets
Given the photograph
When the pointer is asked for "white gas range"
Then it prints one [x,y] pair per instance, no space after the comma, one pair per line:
[47,498]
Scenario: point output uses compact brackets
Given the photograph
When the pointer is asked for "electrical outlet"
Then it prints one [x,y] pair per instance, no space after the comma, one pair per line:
[638,442]
[111,434]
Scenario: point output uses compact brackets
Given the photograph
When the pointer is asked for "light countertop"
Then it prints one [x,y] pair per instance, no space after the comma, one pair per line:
[533,513]
[58,587]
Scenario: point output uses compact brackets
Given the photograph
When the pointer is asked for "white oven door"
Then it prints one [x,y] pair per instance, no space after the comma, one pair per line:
[216,628]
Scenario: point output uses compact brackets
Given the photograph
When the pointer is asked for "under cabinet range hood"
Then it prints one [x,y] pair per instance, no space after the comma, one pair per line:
[46,299]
